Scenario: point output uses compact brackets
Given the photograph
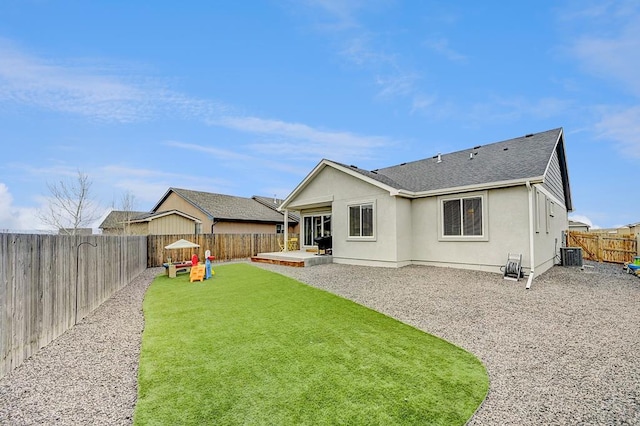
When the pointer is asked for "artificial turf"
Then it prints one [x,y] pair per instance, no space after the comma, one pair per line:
[252,347]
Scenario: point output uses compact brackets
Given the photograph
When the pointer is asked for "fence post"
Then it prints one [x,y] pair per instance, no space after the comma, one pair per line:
[638,244]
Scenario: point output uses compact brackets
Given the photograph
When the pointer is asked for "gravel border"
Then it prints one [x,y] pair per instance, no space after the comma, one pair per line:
[563,352]
[88,375]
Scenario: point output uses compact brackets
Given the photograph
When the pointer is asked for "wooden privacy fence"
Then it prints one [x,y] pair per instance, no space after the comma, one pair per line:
[223,246]
[44,292]
[603,247]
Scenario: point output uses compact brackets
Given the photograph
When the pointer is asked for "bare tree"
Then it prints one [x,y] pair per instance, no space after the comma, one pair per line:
[127,205]
[70,205]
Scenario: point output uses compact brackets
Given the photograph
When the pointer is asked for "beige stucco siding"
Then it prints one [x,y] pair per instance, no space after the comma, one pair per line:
[410,231]
[404,230]
[551,220]
[345,190]
[506,231]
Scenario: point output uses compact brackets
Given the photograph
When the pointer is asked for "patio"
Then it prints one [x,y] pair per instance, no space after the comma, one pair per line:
[296,258]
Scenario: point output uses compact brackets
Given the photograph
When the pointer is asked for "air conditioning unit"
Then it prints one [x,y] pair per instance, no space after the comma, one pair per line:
[571,256]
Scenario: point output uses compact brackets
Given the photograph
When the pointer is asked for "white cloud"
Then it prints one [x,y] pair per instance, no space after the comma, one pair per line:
[397,85]
[148,185]
[221,155]
[94,90]
[606,41]
[503,108]
[296,139]
[14,218]
[360,45]
[423,103]
[623,127]
[441,46]
[583,219]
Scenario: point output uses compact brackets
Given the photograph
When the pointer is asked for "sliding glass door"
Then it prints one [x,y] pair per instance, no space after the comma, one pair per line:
[314,226]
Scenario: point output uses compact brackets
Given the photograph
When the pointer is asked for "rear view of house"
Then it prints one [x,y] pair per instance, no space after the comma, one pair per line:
[468,209]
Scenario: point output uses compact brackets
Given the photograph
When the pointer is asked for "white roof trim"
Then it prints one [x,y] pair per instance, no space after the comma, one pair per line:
[309,202]
[555,147]
[287,203]
[466,188]
[167,213]
[317,169]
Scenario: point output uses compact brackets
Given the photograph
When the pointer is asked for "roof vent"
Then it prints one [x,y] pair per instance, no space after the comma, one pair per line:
[375,172]
[471,156]
[439,158]
[506,148]
[402,164]
[353,167]
[529,135]
[476,147]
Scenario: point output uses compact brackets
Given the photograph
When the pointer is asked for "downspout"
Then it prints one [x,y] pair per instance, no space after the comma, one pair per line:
[531,235]
[286,230]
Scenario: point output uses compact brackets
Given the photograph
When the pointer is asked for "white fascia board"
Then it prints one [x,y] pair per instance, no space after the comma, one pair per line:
[466,188]
[170,212]
[285,204]
[364,178]
[555,146]
[328,163]
[311,202]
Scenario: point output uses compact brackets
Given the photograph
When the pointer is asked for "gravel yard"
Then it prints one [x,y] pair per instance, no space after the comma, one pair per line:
[563,352]
[87,376]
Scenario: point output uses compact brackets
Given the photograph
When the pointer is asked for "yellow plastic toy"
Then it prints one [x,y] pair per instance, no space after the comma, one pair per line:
[197,273]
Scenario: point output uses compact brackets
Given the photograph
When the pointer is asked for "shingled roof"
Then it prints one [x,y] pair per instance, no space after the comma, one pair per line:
[526,157]
[116,218]
[510,162]
[274,203]
[228,207]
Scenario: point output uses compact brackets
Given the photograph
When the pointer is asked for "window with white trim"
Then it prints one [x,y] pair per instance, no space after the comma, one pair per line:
[462,217]
[361,221]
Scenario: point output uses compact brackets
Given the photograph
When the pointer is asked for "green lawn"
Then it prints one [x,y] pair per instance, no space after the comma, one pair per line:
[251,347]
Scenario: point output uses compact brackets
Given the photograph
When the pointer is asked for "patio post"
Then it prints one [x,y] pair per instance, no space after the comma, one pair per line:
[286,230]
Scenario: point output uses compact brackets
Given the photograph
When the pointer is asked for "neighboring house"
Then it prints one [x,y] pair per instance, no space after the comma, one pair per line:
[574,225]
[468,209]
[120,222]
[227,214]
[622,231]
[634,228]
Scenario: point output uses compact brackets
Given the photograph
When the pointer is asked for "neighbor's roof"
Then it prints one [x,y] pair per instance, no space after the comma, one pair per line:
[117,218]
[227,207]
[505,163]
[274,203]
[577,223]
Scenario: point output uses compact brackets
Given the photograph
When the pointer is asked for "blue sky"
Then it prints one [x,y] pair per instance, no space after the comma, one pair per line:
[245,98]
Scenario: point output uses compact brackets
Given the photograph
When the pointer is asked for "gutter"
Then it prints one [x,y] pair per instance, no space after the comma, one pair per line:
[531,235]
[466,188]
